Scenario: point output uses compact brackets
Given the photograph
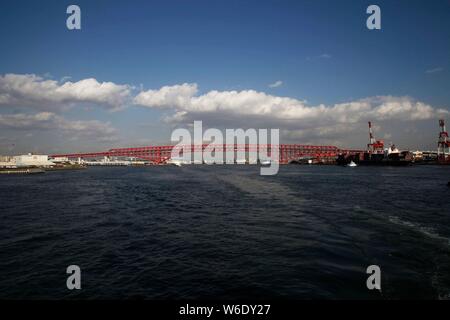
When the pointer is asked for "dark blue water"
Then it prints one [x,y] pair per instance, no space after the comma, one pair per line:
[226,232]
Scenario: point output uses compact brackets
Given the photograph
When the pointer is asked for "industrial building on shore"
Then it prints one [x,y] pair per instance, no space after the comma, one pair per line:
[27,160]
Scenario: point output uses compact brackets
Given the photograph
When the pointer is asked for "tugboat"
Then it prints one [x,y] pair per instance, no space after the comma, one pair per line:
[352,164]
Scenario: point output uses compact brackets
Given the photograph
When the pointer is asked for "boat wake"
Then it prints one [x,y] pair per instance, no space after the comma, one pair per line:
[426,231]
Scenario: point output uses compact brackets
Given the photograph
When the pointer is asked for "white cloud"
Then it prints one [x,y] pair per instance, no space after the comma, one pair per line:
[65,78]
[276,84]
[29,90]
[325,56]
[50,121]
[314,124]
[434,70]
[183,103]
[320,56]
[182,99]
[176,96]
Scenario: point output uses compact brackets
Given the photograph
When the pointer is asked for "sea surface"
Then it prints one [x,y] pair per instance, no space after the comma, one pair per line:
[225,232]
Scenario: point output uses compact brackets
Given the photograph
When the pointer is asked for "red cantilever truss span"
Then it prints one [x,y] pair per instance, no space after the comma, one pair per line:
[159,154]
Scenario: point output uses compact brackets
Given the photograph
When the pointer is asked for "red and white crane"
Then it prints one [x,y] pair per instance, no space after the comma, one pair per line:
[374,146]
[443,144]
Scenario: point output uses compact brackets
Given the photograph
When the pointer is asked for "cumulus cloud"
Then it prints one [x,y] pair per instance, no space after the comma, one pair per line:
[50,121]
[29,90]
[176,96]
[250,108]
[276,84]
[184,101]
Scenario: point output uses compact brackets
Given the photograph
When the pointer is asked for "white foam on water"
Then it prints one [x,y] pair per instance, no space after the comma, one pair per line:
[444,291]
[426,231]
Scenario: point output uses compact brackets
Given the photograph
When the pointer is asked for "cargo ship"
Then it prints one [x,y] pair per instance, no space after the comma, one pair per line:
[390,157]
[377,155]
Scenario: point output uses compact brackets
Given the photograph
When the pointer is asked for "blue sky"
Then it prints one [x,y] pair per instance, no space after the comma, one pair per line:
[321,51]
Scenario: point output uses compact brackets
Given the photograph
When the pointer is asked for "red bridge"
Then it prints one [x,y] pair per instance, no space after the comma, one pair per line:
[161,154]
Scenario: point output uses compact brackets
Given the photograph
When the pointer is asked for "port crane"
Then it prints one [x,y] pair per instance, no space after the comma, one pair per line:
[374,146]
[443,151]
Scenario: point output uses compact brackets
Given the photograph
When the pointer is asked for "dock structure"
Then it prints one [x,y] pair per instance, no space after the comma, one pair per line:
[22,171]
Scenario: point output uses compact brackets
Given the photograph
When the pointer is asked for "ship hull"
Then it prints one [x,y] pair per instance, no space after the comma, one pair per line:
[395,163]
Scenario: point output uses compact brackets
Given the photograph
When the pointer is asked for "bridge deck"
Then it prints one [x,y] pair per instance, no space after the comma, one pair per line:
[158,154]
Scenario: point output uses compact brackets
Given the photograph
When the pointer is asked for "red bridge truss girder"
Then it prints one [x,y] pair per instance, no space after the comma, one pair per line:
[158,154]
